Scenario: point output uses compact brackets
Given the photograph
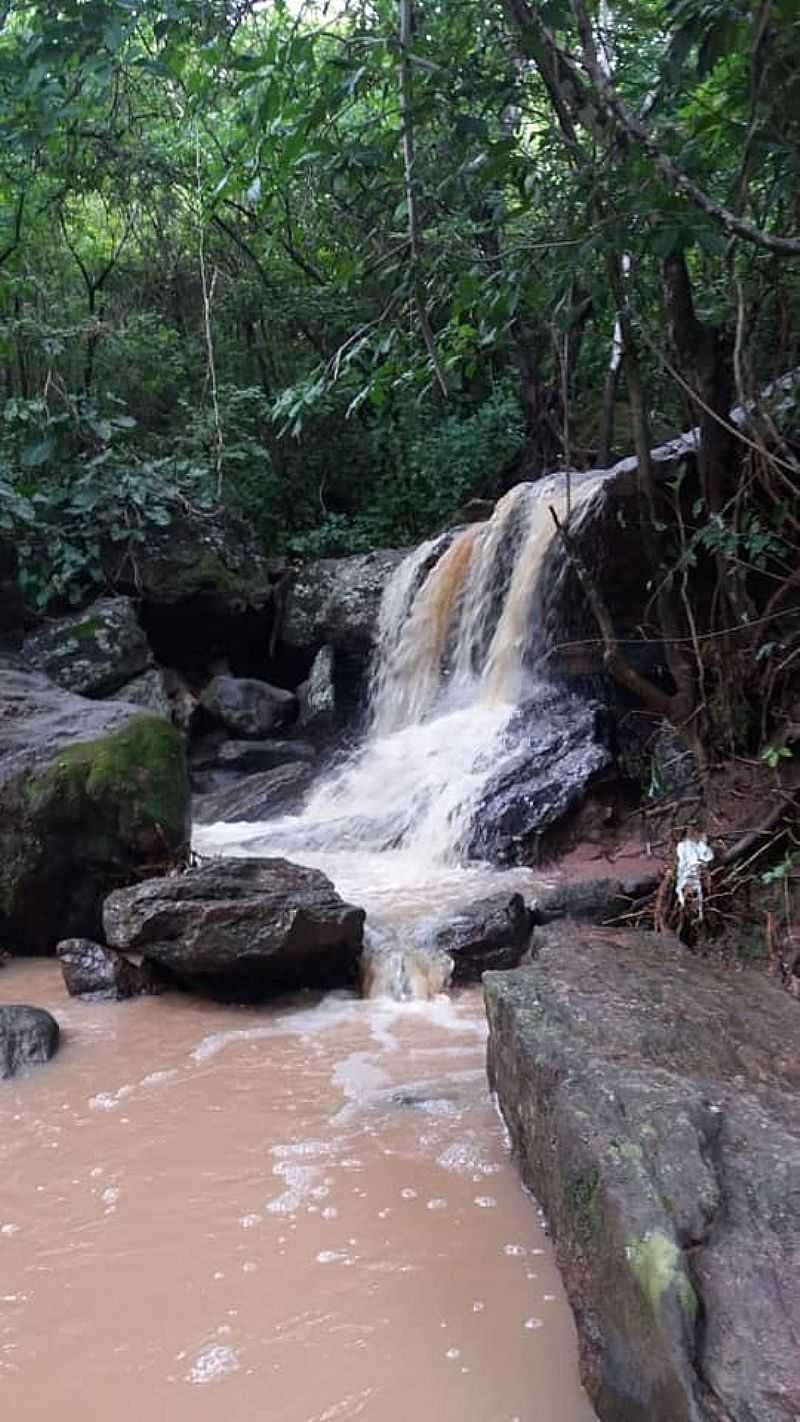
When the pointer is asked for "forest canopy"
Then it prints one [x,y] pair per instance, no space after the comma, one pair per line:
[345,267]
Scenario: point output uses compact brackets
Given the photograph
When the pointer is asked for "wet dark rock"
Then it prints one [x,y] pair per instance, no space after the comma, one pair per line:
[254,797]
[490,933]
[90,969]
[251,756]
[241,929]
[335,601]
[247,707]
[28,1035]
[92,793]
[654,1102]
[317,695]
[564,752]
[591,900]
[93,652]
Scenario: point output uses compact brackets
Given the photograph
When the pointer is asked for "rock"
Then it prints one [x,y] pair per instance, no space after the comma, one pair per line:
[335,601]
[214,562]
[149,691]
[317,696]
[653,1101]
[241,929]
[92,970]
[247,707]
[183,702]
[12,610]
[564,751]
[251,756]
[255,797]
[591,900]
[92,793]
[91,652]
[27,1035]
[490,933]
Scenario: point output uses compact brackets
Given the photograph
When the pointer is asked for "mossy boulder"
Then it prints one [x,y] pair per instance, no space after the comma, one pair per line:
[215,563]
[93,795]
[93,652]
[654,1103]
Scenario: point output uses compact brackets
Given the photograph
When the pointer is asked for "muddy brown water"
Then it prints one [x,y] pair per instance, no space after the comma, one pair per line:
[305,1213]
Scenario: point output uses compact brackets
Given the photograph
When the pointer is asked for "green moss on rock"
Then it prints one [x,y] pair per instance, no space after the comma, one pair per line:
[134,778]
[656,1262]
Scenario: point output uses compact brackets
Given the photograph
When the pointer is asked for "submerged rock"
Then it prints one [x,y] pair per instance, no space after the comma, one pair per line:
[490,933]
[241,929]
[653,1101]
[247,707]
[335,601]
[90,969]
[92,793]
[93,652]
[257,797]
[28,1035]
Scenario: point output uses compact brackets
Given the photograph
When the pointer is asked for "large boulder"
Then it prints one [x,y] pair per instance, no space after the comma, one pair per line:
[653,1102]
[92,794]
[27,1035]
[489,933]
[563,750]
[250,798]
[241,929]
[93,652]
[248,707]
[336,601]
[213,562]
[92,970]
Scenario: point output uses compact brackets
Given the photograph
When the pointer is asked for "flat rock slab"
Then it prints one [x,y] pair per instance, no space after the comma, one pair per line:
[654,1101]
[252,798]
[27,1035]
[241,929]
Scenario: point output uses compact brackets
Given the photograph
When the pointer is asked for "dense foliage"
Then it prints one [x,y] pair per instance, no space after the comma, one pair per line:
[346,266]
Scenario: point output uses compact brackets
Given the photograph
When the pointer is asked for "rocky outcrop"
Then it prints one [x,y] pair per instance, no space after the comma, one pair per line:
[653,1102]
[28,1035]
[490,933]
[213,562]
[335,601]
[564,751]
[93,652]
[247,707]
[92,794]
[250,798]
[91,970]
[592,900]
[241,929]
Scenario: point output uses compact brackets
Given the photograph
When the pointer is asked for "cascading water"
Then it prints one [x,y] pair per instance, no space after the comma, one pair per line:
[393,826]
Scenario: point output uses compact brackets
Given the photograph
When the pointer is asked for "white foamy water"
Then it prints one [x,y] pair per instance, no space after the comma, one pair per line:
[281,1219]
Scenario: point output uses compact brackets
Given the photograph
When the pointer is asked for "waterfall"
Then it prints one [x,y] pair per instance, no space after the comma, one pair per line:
[394,825]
